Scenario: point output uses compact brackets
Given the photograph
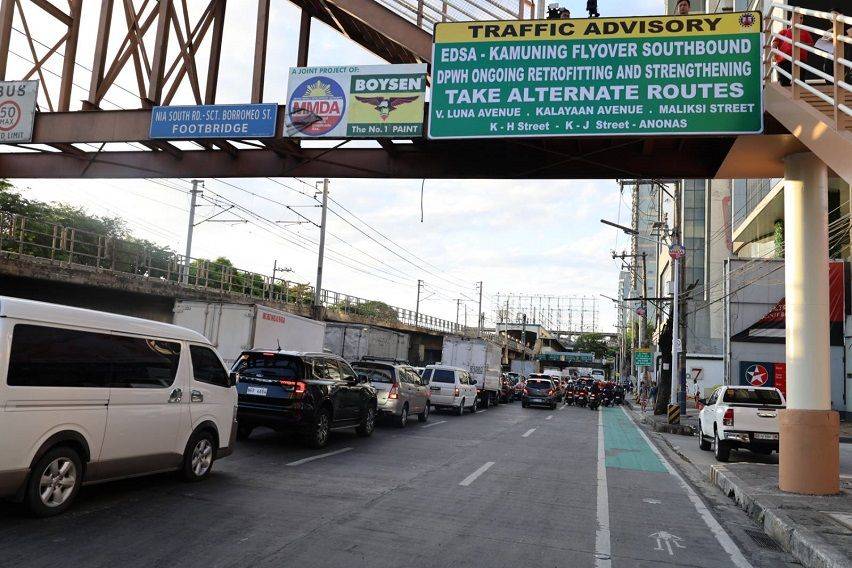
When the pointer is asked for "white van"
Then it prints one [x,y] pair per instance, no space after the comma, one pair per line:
[88,396]
[451,387]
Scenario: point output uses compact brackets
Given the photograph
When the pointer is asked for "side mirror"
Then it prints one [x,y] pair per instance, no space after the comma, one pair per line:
[473,381]
[703,401]
[362,378]
[232,379]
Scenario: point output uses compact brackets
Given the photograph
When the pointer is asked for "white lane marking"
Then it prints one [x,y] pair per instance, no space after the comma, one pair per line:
[724,539]
[549,416]
[668,539]
[652,501]
[527,433]
[320,456]
[603,552]
[433,424]
[472,477]
[479,411]
[563,407]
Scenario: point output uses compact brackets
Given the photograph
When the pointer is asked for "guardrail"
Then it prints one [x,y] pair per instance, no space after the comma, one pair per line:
[426,13]
[28,237]
[819,72]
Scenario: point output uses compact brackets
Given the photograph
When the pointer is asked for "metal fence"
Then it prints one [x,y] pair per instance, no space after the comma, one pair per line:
[426,13]
[819,72]
[27,237]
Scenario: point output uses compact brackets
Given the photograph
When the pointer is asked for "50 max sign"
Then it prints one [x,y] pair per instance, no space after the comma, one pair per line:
[17,110]
[600,76]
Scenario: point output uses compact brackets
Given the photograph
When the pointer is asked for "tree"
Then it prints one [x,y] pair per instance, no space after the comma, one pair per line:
[594,343]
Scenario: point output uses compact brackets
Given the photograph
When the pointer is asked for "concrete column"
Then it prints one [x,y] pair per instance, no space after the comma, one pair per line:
[809,428]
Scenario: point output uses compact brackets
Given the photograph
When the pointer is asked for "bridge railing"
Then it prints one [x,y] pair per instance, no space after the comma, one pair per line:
[34,238]
[426,13]
[818,72]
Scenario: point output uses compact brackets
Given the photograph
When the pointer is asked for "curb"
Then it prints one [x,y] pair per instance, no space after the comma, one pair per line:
[806,546]
[656,426]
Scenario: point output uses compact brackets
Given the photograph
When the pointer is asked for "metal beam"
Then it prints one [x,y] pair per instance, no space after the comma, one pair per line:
[215,52]
[304,39]
[7,15]
[101,45]
[260,42]
[161,48]
[70,55]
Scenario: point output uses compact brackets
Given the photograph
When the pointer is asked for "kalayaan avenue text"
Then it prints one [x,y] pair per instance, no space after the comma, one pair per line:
[634,27]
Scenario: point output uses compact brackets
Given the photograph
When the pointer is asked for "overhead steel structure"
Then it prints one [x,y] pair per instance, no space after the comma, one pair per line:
[172,50]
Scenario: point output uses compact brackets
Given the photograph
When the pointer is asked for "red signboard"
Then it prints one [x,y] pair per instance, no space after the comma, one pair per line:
[781,378]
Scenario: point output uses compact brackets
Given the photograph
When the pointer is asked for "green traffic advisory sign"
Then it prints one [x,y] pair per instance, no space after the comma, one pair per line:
[643,358]
[656,75]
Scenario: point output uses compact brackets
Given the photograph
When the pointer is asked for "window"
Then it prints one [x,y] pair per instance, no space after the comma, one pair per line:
[346,371]
[753,396]
[206,367]
[270,366]
[375,373]
[464,378]
[44,356]
[443,376]
[326,370]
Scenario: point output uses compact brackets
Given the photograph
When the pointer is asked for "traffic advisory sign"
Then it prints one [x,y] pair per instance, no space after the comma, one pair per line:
[643,358]
[17,111]
[697,74]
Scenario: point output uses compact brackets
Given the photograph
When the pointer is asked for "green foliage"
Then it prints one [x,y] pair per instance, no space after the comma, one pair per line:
[594,343]
[370,309]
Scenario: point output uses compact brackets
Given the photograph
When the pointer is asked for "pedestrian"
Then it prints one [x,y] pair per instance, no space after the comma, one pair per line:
[592,8]
[682,8]
[653,394]
[786,48]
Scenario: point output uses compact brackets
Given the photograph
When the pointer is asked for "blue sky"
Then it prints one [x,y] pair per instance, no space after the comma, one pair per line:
[515,236]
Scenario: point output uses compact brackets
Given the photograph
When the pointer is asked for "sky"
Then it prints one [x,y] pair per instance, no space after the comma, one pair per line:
[515,236]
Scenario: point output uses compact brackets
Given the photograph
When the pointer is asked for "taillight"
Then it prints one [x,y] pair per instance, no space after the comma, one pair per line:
[297,386]
[456,392]
[551,392]
[728,418]
[394,392]
[526,391]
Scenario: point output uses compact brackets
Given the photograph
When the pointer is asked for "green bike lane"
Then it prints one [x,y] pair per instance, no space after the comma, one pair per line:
[654,517]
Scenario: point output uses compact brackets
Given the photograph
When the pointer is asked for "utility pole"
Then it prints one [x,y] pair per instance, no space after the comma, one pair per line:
[524,338]
[192,205]
[318,290]
[479,313]
[458,305]
[417,305]
[678,373]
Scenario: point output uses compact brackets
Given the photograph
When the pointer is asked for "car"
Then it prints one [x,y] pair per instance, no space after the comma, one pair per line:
[400,391]
[598,375]
[307,393]
[451,388]
[88,396]
[737,417]
[540,392]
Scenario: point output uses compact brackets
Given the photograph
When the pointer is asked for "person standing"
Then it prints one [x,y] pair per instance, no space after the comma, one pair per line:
[592,8]
[786,47]
[682,8]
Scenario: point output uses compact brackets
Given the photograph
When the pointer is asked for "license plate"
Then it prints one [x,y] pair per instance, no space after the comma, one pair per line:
[535,400]
[435,389]
[257,391]
[759,436]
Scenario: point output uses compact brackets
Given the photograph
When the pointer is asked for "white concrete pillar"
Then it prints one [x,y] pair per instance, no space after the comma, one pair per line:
[809,429]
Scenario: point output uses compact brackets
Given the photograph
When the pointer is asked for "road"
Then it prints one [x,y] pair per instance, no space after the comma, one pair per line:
[506,487]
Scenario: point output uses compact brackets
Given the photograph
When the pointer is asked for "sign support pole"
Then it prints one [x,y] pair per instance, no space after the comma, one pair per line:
[318,290]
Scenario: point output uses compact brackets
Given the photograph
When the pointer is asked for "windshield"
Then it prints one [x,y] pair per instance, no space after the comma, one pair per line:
[375,373]
[539,384]
[443,376]
[269,366]
[753,396]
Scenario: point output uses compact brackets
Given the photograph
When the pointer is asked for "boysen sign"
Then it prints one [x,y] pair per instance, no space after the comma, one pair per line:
[17,110]
[214,121]
[696,74]
[359,101]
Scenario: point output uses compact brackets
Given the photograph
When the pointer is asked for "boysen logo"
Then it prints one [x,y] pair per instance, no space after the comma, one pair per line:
[757,375]
[322,100]
[273,317]
[385,105]
[747,20]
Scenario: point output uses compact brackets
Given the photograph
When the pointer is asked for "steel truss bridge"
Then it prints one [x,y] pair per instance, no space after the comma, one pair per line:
[169,52]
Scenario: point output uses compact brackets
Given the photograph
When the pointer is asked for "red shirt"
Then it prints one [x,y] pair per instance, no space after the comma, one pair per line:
[787,48]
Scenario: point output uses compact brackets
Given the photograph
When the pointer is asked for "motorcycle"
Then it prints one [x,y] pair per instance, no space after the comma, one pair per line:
[618,397]
[594,401]
[580,398]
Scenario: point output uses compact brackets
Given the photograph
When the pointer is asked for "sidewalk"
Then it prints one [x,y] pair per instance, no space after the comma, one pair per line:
[688,422]
[817,531]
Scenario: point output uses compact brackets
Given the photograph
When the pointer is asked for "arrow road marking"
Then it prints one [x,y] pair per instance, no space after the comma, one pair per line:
[472,477]
[667,539]
[527,433]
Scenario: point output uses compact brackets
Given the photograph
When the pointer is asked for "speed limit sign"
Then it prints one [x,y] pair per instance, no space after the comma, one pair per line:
[17,110]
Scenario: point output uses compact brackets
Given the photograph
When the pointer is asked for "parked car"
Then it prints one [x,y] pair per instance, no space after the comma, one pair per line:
[451,388]
[311,393]
[540,392]
[88,396]
[400,391]
[740,417]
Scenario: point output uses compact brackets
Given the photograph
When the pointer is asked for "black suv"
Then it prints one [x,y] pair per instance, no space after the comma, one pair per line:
[312,393]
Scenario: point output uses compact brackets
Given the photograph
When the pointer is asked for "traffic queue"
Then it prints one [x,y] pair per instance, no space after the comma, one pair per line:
[547,390]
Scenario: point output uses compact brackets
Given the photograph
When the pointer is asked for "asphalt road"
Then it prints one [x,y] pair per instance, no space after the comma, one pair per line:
[506,487]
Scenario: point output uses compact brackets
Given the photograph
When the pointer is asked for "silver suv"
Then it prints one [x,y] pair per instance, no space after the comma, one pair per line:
[400,390]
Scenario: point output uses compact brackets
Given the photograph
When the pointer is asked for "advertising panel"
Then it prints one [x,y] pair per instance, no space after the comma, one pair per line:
[214,121]
[358,101]
[17,110]
[698,74]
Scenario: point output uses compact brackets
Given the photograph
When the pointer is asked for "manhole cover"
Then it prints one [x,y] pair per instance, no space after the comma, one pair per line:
[763,540]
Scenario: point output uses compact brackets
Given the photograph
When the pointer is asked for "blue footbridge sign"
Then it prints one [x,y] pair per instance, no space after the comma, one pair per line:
[214,121]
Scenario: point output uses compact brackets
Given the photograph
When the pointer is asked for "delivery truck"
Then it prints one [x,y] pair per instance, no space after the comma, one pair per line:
[482,358]
[356,341]
[232,328]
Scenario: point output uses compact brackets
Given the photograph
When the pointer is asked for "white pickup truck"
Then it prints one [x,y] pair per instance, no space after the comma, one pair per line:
[740,417]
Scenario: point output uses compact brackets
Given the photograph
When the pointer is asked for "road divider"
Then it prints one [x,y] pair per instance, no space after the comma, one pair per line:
[320,456]
[473,476]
